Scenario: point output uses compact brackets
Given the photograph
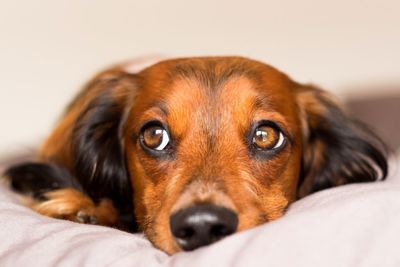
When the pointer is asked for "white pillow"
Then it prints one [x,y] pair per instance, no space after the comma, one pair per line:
[353,225]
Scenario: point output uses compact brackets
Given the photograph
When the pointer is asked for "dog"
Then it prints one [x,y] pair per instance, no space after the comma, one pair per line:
[191,150]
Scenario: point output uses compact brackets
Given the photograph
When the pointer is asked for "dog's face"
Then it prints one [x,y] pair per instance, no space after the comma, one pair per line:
[208,146]
[209,134]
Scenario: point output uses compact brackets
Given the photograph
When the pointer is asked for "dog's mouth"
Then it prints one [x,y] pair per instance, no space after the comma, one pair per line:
[201,225]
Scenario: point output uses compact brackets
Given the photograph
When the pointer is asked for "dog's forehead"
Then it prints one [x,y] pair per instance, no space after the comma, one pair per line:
[211,70]
[211,76]
[213,92]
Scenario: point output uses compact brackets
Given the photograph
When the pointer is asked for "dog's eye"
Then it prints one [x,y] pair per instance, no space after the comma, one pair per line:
[155,137]
[267,137]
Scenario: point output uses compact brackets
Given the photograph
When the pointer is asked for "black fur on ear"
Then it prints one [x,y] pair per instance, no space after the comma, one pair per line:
[97,145]
[337,149]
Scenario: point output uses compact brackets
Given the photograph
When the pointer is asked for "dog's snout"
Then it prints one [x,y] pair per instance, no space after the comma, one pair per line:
[202,225]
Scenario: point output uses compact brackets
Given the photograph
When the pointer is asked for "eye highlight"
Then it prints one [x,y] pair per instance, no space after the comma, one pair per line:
[267,136]
[154,137]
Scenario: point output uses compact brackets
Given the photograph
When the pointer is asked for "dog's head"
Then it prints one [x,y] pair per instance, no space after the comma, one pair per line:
[212,146]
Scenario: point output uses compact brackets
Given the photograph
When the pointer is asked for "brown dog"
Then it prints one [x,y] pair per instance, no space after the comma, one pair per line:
[192,150]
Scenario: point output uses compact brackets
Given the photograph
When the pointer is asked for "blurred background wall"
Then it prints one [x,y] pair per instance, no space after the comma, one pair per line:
[49,48]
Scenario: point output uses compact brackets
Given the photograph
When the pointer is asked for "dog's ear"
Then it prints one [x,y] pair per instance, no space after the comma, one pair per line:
[336,149]
[97,148]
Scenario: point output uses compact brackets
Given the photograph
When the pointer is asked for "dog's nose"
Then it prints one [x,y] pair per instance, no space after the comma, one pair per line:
[202,225]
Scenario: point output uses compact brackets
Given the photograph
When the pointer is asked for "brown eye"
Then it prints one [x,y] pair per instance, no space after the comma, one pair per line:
[267,137]
[155,137]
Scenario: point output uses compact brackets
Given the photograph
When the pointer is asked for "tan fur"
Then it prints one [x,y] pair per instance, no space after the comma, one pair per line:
[73,205]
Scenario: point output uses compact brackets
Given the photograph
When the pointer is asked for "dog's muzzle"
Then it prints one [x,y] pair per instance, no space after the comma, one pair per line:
[202,225]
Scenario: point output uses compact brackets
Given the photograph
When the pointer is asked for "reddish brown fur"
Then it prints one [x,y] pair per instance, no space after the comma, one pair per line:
[258,191]
[209,105]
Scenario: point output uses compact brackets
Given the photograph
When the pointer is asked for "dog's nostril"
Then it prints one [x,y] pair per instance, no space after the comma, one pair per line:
[220,230]
[185,233]
[202,225]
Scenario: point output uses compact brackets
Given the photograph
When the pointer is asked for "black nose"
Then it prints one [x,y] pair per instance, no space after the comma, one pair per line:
[202,225]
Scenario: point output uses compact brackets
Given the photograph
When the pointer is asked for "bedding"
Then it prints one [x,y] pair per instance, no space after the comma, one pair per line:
[353,225]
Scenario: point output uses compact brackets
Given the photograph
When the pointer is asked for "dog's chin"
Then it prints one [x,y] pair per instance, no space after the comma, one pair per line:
[164,242]
[171,249]
[159,234]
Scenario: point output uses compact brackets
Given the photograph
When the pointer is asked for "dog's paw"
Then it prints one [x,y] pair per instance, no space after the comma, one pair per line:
[83,217]
[79,216]
[70,204]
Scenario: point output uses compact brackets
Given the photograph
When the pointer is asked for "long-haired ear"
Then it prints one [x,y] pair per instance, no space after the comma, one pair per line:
[337,149]
[96,138]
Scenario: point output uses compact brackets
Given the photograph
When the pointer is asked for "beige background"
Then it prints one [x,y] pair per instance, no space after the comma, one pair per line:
[48,48]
